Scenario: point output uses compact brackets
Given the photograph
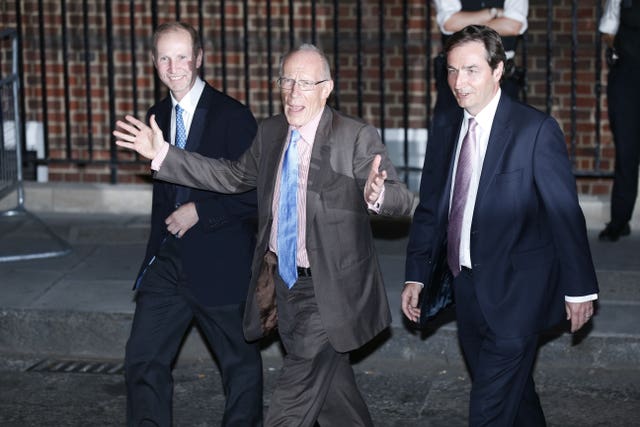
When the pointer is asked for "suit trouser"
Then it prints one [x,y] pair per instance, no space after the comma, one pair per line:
[623,91]
[316,382]
[164,311]
[502,389]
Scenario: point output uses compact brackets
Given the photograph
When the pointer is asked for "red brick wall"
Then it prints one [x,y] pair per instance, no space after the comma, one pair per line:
[417,46]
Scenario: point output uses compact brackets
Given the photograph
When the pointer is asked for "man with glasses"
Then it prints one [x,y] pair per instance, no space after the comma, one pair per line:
[319,175]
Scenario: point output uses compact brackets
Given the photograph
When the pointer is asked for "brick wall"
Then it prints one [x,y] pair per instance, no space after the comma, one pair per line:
[63,105]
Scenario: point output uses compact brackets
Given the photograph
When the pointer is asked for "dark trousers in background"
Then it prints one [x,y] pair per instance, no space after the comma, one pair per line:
[501,369]
[316,382]
[623,95]
[164,311]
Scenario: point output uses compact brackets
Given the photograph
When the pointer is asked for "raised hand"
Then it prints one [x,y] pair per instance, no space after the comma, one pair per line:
[375,181]
[135,135]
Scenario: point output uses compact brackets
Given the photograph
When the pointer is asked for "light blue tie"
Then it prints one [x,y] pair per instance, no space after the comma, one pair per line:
[181,132]
[287,213]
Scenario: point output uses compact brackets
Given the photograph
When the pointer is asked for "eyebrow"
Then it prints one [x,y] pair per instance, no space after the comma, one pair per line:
[464,67]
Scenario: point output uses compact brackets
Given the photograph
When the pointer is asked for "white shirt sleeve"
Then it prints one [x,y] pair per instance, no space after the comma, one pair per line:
[513,9]
[518,10]
[584,298]
[444,10]
[610,17]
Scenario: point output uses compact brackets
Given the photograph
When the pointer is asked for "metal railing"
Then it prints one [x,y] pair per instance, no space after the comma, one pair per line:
[242,42]
[42,242]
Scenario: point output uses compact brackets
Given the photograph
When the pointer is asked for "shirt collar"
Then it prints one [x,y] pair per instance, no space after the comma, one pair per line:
[308,131]
[190,101]
[485,117]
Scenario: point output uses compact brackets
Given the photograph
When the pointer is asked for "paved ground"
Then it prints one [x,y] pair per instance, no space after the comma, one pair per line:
[397,395]
[61,316]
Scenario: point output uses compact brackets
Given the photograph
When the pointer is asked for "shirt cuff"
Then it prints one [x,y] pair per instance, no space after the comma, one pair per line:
[375,206]
[417,283]
[585,298]
[159,158]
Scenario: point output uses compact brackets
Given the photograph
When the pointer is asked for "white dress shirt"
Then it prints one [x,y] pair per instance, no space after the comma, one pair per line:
[610,20]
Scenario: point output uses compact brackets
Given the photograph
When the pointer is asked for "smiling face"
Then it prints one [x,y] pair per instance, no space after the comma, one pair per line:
[176,62]
[302,106]
[470,77]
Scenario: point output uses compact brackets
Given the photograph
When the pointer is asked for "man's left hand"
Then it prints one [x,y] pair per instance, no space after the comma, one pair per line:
[375,181]
[182,219]
[579,313]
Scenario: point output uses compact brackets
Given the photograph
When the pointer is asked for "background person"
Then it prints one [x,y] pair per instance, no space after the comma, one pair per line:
[507,17]
[620,25]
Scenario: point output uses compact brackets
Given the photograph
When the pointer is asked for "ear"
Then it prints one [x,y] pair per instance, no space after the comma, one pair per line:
[498,71]
[327,88]
[199,59]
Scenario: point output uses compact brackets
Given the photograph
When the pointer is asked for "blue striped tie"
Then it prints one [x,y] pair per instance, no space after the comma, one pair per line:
[181,132]
[287,213]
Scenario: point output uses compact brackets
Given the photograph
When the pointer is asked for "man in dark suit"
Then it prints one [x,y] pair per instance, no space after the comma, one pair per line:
[326,279]
[497,187]
[198,260]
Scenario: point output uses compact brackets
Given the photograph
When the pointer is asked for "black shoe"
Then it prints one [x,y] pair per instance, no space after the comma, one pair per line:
[612,233]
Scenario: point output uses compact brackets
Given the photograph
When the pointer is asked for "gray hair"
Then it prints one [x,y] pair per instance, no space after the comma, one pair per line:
[308,47]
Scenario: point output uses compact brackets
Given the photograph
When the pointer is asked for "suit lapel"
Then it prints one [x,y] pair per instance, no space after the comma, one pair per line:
[449,136]
[320,161]
[498,139]
[163,118]
[273,147]
[199,120]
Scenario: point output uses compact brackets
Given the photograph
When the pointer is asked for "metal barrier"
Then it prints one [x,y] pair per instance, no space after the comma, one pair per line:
[23,235]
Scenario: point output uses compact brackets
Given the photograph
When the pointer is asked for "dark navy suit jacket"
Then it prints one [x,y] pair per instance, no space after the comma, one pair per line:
[217,251]
[529,246]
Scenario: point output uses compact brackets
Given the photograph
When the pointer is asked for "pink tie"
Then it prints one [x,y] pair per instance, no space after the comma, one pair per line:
[459,199]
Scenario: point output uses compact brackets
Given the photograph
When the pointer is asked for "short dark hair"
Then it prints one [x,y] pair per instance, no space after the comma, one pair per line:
[483,34]
[175,26]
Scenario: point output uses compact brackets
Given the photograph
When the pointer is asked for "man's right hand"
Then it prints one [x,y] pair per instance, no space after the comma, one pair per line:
[135,135]
[409,298]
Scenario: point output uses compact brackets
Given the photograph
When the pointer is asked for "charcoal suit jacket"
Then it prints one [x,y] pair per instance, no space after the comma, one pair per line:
[348,284]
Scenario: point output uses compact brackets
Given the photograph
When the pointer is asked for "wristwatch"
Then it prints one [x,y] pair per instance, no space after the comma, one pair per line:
[494,12]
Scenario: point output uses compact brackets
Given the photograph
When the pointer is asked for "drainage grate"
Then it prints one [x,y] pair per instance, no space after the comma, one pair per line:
[78,366]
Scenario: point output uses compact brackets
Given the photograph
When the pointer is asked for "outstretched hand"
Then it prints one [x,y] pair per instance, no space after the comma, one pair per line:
[135,135]
[375,181]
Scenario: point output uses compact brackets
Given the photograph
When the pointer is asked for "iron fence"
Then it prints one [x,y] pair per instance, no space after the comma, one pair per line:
[361,37]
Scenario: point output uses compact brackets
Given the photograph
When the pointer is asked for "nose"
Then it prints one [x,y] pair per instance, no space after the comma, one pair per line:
[459,80]
[295,89]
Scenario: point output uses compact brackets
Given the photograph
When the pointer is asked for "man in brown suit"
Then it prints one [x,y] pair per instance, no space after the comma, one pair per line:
[336,301]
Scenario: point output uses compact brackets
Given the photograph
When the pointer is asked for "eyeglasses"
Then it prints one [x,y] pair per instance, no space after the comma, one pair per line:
[285,83]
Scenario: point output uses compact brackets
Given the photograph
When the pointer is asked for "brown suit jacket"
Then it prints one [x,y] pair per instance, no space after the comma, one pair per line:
[348,283]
